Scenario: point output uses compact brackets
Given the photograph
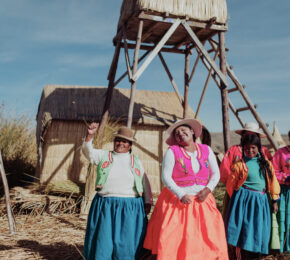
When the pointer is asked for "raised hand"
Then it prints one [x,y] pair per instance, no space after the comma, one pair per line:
[91,130]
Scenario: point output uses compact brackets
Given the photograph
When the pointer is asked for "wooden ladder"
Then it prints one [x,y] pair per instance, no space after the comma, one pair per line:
[240,88]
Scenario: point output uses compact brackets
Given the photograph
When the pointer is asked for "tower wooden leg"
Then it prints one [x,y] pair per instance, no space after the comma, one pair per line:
[135,65]
[224,93]
[186,83]
[111,78]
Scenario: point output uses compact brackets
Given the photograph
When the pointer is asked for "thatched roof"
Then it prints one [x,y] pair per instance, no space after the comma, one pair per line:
[86,102]
[201,10]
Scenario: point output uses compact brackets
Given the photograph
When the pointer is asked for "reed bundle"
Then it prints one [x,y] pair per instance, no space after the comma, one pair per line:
[27,202]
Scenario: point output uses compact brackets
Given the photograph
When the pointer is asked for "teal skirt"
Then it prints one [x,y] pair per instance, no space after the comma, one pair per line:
[284,218]
[248,221]
[116,228]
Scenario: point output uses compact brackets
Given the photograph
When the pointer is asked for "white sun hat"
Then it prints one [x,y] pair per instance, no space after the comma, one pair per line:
[251,127]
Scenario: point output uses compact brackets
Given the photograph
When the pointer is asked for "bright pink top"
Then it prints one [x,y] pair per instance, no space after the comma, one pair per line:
[231,156]
[281,163]
[183,174]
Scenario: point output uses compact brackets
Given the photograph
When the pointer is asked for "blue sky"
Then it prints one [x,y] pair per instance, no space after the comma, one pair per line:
[70,42]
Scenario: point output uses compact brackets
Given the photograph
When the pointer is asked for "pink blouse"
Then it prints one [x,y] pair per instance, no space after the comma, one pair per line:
[281,163]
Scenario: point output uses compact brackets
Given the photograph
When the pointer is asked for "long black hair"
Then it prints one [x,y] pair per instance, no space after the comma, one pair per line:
[255,140]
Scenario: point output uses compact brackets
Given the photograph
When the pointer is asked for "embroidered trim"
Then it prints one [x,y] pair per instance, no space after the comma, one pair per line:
[105,164]
[198,151]
[186,155]
[111,157]
[99,186]
[132,160]
[137,171]
[185,182]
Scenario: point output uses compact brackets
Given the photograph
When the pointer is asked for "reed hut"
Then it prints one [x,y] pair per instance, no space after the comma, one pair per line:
[61,127]
[199,10]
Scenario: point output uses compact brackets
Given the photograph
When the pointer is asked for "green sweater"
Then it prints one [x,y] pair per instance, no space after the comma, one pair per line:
[255,179]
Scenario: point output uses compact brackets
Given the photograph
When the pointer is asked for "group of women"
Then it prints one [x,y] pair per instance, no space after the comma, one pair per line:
[185,223]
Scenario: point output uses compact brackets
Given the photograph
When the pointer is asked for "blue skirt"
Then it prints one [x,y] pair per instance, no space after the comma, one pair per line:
[116,228]
[248,221]
[284,218]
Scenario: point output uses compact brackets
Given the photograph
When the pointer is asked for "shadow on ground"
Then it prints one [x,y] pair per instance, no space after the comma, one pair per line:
[55,251]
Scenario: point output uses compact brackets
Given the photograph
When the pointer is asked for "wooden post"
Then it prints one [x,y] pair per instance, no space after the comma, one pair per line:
[186,83]
[135,65]
[111,78]
[194,67]
[175,87]
[11,220]
[205,54]
[224,93]
[126,73]
[204,88]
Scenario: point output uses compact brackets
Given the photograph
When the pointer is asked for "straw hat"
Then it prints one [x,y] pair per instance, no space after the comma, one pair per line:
[194,124]
[125,133]
[251,127]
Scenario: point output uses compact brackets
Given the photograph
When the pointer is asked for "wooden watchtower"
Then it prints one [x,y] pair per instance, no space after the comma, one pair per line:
[180,27]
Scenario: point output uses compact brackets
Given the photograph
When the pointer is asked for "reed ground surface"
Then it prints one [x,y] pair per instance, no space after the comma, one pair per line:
[57,236]
[43,237]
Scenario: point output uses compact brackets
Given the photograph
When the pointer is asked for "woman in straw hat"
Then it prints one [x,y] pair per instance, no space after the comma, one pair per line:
[234,153]
[248,218]
[117,219]
[281,163]
[186,223]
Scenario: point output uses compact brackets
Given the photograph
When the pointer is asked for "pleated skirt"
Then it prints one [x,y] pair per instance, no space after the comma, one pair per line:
[284,218]
[248,221]
[178,231]
[116,229]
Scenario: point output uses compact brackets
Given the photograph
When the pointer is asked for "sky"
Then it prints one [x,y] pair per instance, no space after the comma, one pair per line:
[69,42]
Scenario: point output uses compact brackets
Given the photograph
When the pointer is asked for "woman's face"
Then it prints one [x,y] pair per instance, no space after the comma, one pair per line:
[183,135]
[121,145]
[251,150]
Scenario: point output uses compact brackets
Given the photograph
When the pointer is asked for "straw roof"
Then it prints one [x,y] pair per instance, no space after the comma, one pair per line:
[86,102]
[277,136]
[201,10]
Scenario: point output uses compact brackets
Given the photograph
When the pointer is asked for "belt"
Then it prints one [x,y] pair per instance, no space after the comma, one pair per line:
[262,192]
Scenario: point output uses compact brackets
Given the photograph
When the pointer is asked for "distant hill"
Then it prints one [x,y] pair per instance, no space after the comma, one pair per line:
[217,142]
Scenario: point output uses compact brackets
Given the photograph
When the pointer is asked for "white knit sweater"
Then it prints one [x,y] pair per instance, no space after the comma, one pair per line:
[120,182]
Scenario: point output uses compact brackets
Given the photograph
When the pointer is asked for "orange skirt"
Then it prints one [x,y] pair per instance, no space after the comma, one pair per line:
[178,231]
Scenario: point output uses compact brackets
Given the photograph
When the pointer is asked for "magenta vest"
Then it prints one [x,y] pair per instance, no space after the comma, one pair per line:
[183,174]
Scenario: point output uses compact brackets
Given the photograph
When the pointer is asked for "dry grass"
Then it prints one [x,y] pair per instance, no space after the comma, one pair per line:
[111,127]
[17,145]
[219,193]
[43,237]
